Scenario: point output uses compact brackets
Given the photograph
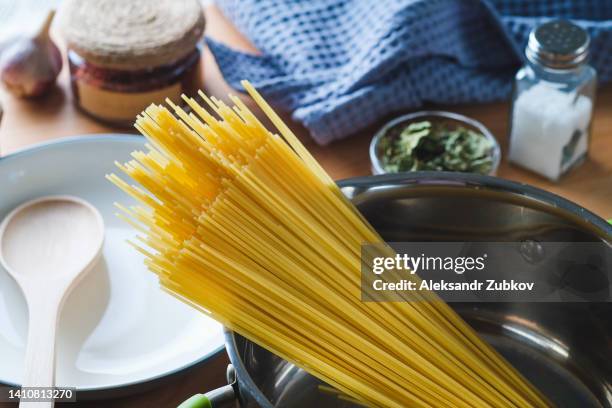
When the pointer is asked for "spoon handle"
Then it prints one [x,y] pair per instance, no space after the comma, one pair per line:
[43,308]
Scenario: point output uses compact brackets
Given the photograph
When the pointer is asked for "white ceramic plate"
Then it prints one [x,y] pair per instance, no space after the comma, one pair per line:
[118,327]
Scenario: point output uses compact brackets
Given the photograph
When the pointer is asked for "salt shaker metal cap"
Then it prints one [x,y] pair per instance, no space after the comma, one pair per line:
[558,44]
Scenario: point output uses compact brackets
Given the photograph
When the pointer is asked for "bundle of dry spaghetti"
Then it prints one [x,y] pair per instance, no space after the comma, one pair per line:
[243,224]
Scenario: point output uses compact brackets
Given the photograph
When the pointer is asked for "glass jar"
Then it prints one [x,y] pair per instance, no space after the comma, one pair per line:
[117,96]
[125,55]
[552,104]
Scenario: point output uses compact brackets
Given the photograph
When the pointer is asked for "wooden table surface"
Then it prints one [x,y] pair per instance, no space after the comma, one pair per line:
[28,122]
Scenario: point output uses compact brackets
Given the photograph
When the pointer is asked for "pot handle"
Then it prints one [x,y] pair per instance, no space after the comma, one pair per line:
[215,398]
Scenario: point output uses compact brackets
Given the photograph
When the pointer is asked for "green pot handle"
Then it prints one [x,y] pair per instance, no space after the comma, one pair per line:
[196,401]
[221,397]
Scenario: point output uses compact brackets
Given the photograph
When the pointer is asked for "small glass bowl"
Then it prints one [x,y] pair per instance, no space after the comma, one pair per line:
[433,117]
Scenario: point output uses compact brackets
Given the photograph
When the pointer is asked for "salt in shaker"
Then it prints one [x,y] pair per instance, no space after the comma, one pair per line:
[553,100]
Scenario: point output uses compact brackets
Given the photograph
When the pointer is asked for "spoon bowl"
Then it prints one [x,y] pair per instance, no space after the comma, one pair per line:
[47,245]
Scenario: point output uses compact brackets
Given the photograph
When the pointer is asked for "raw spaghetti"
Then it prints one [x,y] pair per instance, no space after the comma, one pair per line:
[245,225]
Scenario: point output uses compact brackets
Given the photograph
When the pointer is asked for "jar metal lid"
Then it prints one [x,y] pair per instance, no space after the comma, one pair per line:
[558,44]
[131,35]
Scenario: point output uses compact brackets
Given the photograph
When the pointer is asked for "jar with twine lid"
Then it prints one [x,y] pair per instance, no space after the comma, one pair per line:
[125,55]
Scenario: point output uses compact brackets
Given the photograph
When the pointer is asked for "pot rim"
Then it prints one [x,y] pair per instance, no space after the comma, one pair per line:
[445,178]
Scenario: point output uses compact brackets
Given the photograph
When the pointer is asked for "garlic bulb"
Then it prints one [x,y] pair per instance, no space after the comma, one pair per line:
[29,65]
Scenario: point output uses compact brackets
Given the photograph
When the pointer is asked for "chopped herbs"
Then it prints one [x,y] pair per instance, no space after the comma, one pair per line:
[423,146]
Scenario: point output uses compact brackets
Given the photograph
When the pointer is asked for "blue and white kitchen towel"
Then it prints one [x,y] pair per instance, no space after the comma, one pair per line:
[340,65]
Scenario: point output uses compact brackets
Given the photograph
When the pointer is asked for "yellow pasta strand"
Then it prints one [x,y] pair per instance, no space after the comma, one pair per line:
[245,225]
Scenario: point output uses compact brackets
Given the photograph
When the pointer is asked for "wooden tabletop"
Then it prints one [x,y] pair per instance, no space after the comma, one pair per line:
[29,122]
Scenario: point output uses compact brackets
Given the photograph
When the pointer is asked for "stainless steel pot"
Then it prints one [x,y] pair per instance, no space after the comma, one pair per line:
[565,349]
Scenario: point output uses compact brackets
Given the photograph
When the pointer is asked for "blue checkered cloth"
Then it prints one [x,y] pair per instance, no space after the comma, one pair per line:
[340,65]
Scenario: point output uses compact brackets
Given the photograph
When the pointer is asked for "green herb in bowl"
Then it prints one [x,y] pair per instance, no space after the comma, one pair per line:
[425,145]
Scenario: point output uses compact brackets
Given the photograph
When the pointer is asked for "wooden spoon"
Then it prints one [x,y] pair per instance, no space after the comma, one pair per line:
[47,245]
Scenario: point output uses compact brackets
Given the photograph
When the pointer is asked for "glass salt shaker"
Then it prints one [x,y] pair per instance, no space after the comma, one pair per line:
[552,105]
